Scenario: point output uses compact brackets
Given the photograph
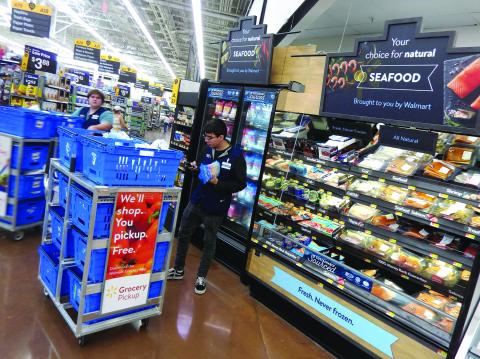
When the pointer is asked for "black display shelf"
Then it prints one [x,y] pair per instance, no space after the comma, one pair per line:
[418,216]
[306,182]
[178,146]
[424,184]
[311,160]
[348,249]
[420,246]
[183,126]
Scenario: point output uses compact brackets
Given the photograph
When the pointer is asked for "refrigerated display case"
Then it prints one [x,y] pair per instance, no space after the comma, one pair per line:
[382,259]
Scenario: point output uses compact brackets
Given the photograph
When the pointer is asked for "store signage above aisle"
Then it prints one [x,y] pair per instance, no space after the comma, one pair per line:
[127,75]
[31,19]
[406,77]
[86,50]
[156,89]
[141,84]
[35,59]
[246,56]
[109,64]
[408,139]
[175,90]
[132,245]
[122,90]
[146,100]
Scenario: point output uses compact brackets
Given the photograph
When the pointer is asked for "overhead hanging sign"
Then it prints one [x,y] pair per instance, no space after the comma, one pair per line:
[175,89]
[31,19]
[156,89]
[109,64]
[127,75]
[35,59]
[132,245]
[141,84]
[81,77]
[246,56]
[147,100]
[122,90]
[86,50]
[406,77]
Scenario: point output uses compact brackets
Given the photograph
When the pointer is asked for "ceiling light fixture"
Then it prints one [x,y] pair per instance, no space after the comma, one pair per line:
[197,20]
[149,37]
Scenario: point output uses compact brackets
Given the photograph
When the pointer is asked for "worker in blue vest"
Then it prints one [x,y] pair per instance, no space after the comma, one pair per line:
[96,117]
[210,200]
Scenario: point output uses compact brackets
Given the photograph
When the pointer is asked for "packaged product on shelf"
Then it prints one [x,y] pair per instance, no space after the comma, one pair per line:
[316,174]
[326,151]
[441,272]
[354,237]
[459,155]
[471,178]
[362,212]
[322,225]
[421,312]
[331,202]
[439,301]
[453,210]
[464,139]
[420,200]
[394,194]
[385,221]
[373,163]
[475,221]
[439,169]
[403,166]
[368,188]
[383,292]
[413,230]
[443,139]
[335,178]
[379,247]
[409,260]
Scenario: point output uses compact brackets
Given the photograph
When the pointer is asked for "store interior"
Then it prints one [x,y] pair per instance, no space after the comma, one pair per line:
[357,233]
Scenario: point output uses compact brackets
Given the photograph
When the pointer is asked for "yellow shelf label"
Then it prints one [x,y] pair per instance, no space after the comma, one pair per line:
[434,256]
[413,188]
[443,195]
[373,205]
[456,264]
[405,277]
[339,248]
[342,223]
[391,314]
[399,213]
[368,232]
[299,264]
[367,260]
[329,193]
[272,250]
[469,235]
[329,281]
[365,176]
[436,225]
[391,240]
[442,352]
[264,245]
[254,240]
[381,180]
[340,286]
[427,286]
[321,190]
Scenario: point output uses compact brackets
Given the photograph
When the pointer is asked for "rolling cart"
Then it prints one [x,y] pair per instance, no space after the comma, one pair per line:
[76,246]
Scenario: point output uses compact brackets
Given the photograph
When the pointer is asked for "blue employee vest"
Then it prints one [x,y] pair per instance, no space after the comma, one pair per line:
[205,195]
[92,119]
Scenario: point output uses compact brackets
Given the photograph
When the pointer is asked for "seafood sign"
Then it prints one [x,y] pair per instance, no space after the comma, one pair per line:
[246,56]
[406,77]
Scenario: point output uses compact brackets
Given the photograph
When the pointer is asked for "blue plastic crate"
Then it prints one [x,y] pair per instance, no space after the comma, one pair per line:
[163,215]
[35,156]
[92,301]
[29,186]
[161,251]
[48,268]
[57,215]
[98,257]
[66,121]
[28,211]
[80,207]
[62,190]
[26,123]
[155,289]
[122,163]
[70,146]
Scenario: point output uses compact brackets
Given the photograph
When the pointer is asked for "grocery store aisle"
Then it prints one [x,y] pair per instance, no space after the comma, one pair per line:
[224,323]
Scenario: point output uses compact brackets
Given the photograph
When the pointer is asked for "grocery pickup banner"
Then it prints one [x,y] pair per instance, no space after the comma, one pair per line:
[132,246]
[406,77]
[341,315]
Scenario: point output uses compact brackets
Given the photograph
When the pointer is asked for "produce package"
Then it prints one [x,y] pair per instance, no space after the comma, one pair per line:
[379,247]
[439,169]
[394,194]
[441,272]
[419,200]
[362,212]
[331,202]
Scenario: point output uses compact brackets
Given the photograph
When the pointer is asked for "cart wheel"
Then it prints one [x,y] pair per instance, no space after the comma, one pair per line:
[45,293]
[144,323]
[81,341]
[18,236]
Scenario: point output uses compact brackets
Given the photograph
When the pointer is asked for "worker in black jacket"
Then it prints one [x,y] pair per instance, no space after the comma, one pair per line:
[210,201]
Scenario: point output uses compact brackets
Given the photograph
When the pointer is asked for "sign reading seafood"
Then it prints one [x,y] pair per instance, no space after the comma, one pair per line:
[406,77]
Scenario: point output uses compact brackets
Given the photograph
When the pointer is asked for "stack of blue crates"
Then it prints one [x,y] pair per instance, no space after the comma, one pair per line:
[29,125]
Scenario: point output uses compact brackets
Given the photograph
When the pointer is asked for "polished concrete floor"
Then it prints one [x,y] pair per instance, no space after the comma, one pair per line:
[223,323]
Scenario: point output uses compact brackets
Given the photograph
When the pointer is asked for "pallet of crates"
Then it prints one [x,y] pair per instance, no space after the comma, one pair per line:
[28,139]
[105,247]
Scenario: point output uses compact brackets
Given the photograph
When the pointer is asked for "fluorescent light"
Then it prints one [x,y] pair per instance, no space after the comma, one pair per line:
[149,37]
[197,20]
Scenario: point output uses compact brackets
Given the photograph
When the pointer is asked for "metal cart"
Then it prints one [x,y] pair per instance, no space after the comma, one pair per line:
[100,194]
[17,231]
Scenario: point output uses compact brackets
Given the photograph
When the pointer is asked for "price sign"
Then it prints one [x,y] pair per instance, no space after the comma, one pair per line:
[81,77]
[86,50]
[156,89]
[147,100]
[117,100]
[109,64]
[122,90]
[127,74]
[30,19]
[30,79]
[35,59]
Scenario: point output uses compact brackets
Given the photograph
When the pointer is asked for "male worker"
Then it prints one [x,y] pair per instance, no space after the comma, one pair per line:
[96,117]
[210,201]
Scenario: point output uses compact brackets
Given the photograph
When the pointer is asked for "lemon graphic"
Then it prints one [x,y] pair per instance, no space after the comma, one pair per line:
[360,76]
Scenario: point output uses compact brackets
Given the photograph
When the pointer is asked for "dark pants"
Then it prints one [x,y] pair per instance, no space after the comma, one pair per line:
[192,218]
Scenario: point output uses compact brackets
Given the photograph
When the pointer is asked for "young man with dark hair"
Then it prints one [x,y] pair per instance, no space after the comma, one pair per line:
[96,117]
[209,202]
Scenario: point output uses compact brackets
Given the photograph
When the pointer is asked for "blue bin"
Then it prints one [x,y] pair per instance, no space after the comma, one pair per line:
[28,211]
[70,145]
[57,215]
[29,186]
[155,289]
[121,163]
[66,121]
[48,268]
[92,301]
[98,257]
[80,207]
[35,156]
[161,251]
[26,123]
[62,190]
[163,215]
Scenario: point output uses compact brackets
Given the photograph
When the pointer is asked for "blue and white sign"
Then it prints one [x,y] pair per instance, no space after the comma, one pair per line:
[232,94]
[341,315]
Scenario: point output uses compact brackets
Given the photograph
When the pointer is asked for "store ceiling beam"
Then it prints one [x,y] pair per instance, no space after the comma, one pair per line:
[187,8]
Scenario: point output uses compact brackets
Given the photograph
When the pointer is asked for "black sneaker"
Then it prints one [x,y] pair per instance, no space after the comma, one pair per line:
[175,274]
[200,285]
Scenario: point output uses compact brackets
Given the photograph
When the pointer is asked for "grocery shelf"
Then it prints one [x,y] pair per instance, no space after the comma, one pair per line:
[12,94]
[346,249]
[56,101]
[178,146]
[183,126]
[310,160]
[57,87]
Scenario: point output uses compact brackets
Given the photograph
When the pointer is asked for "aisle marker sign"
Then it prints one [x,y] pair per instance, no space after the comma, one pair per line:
[35,59]
[141,84]
[131,251]
[127,74]
[109,64]
[87,50]
[122,90]
[30,19]
[175,89]
[339,314]
[156,89]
